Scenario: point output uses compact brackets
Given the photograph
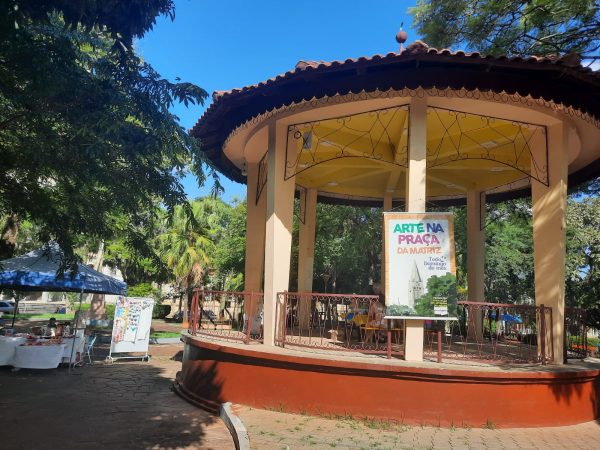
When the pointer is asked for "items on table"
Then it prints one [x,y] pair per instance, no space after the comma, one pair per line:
[52,329]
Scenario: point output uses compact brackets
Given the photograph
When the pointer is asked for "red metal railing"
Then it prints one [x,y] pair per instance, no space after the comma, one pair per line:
[492,332]
[340,322]
[576,342]
[227,315]
[498,332]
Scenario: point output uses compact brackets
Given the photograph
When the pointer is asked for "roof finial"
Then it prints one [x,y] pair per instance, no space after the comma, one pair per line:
[401,37]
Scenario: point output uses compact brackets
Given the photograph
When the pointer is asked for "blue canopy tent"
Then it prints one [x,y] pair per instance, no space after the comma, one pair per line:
[508,318]
[39,270]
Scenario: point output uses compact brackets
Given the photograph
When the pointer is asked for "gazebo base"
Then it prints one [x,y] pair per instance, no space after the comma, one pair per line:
[447,395]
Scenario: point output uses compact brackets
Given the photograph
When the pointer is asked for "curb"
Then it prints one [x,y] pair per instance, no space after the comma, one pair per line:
[235,426]
[172,340]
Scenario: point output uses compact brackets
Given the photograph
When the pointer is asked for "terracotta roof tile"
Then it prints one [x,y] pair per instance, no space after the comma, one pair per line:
[248,100]
[416,48]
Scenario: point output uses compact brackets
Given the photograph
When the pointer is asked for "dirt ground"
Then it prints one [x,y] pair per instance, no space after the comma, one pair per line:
[279,430]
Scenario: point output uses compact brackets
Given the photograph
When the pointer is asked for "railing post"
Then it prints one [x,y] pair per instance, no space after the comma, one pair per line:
[543,334]
[439,342]
[201,309]
[584,327]
[194,313]
[551,335]
[389,338]
[248,318]
[283,317]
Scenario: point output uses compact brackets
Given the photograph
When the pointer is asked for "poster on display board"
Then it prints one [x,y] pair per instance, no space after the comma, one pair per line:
[420,268]
[131,326]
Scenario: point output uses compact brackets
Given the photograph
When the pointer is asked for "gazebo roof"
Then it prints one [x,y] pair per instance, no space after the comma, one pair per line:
[561,80]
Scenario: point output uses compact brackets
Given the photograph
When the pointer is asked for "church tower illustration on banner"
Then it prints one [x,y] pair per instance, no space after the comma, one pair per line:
[415,285]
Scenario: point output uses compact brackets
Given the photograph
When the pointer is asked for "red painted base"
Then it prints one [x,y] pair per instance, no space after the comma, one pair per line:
[216,373]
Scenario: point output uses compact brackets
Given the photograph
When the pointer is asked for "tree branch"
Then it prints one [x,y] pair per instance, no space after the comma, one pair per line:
[7,122]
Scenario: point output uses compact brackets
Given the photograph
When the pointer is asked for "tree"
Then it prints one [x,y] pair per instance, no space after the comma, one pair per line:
[583,257]
[508,274]
[514,27]
[230,250]
[438,286]
[186,245]
[138,266]
[85,129]
[347,248]
[522,28]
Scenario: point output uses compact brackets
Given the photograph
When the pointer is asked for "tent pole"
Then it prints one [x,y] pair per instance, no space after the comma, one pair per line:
[75,329]
[17,295]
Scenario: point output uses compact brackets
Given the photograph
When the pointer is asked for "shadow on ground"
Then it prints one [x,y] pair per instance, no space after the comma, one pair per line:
[123,405]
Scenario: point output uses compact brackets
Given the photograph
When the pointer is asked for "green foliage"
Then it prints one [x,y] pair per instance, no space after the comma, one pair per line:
[87,143]
[143,290]
[186,245]
[164,334]
[347,248]
[444,286]
[148,291]
[514,27]
[137,266]
[109,310]
[509,253]
[583,257]
[124,20]
[230,252]
[399,310]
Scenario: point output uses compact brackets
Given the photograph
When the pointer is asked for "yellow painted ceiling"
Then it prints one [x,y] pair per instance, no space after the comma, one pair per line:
[365,155]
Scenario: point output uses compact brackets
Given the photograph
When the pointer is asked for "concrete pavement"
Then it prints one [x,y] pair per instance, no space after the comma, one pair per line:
[125,405]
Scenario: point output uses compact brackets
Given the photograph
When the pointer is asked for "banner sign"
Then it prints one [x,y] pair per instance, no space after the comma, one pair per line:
[131,326]
[420,269]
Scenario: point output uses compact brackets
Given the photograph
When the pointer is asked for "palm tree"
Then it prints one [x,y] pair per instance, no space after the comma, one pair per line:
[186,245]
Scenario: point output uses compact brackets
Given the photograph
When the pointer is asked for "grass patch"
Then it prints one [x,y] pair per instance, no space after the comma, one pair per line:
[591,341]
[68,316]
[164,334]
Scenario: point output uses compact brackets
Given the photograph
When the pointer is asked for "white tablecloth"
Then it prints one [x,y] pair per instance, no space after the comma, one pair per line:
[38,356]
[77,351]
[7,349]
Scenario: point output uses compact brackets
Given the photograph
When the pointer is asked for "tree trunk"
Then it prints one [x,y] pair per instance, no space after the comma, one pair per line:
[100,256]
[8,240]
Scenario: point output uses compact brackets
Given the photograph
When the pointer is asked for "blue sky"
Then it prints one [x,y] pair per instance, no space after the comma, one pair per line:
[220,45]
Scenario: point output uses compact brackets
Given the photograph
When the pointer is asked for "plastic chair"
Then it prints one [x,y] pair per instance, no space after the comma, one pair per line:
[89,347]
[374,324]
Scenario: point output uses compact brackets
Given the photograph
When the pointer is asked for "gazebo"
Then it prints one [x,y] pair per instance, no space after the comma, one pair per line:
[408,130]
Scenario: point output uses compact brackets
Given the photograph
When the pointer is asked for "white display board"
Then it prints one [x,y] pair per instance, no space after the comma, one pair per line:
[419,263]
[131,326]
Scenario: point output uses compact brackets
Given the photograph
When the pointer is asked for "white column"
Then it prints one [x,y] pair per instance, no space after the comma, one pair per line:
[278,234]
[413,340]
[387,206]
[255,243]
[475,259]
[415,202]
[417,156]
[255,231]
[306,251]
[549,233]
[306,240]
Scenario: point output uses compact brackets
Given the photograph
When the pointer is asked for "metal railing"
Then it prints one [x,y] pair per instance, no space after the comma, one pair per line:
[490,332]
[338,322]
[576,342]
[497,332]
[227,315]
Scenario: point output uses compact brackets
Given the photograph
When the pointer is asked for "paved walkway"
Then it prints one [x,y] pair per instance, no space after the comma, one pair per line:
[125,405]
[278,430]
